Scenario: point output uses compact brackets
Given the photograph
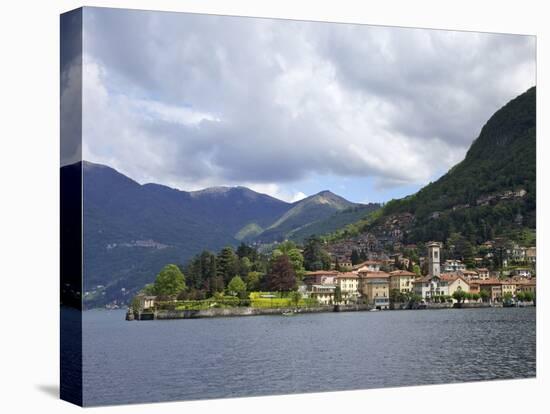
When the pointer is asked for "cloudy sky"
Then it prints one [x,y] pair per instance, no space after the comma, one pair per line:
[289,108]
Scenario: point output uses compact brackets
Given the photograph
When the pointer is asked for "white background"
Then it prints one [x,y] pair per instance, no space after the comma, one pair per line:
[29,241]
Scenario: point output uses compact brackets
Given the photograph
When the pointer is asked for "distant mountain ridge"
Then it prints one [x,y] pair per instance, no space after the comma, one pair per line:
[131,230]
[309,210]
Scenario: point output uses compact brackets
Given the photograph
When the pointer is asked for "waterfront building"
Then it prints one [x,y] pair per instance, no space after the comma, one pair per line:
[375,287]
[493,287]
[508,286]
[349,286]
[323,293]
[402,280]
[474,287]
[455,282]
[526,286]
[429,286]
[320,277]
[146,301]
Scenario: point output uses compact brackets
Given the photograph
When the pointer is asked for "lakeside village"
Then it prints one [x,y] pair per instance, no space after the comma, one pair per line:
[315,279]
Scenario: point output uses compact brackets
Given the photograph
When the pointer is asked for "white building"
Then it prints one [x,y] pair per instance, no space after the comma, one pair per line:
[522,273]
[434,256]
[368,266]
[453,266]
[349,286]
[323,293]
[432,285]
[429,286]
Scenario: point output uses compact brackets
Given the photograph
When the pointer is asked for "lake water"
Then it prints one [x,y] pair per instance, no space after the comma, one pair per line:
[133,362]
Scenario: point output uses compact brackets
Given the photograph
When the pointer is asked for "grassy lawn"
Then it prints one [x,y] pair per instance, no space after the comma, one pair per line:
[257,300]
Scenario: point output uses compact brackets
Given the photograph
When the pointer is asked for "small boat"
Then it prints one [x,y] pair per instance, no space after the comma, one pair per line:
[374,310]
[289,313]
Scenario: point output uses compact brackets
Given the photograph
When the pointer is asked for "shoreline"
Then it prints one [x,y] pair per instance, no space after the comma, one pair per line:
[249,311]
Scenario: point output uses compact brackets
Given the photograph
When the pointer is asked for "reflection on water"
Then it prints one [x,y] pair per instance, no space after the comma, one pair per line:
[130,362]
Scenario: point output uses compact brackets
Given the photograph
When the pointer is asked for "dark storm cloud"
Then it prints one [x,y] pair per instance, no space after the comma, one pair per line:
[71,87]
[196,100]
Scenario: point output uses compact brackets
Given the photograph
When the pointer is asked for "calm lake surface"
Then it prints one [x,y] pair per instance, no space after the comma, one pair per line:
[133,362]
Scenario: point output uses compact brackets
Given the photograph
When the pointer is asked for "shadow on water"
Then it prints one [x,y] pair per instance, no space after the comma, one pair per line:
[49,389]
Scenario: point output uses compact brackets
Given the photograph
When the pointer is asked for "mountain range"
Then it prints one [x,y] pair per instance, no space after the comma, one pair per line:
[132,230]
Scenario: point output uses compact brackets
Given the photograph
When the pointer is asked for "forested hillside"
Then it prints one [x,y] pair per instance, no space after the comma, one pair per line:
[491,193]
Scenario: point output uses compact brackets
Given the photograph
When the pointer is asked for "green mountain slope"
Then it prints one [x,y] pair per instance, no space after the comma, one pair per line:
[492,192]
[304,212]
[334,222]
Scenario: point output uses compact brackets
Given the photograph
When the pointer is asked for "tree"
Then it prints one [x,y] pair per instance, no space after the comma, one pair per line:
[507,297]
[170,281]
[216,285]
[149,289]
[397,263]
[415,298]
[459,295]
[247,251]
[295,298]
[281,276]
[253,281]
[244,266]
[484,295]
[337,294]
[529,297]
[355,257]
[227,264]
[294,255]
[315,258]
[416,270]
[325,260]
[135,305]
[395,296]
[337,264]
[475,296]
[236,286]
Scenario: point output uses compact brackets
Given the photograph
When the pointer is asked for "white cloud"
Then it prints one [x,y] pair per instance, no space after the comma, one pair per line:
[193,101]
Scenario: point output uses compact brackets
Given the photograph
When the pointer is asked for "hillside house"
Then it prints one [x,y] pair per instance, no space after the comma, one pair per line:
[469,274]
[522,273]
[482,273]
[453,266]
[531,254]
[368,266]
